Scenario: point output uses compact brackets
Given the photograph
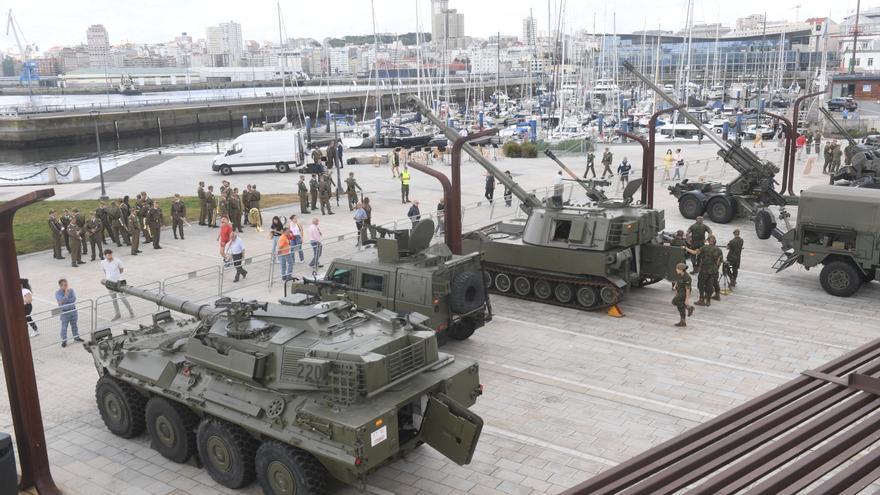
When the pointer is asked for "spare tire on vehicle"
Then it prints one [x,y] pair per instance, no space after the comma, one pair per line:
[468,292]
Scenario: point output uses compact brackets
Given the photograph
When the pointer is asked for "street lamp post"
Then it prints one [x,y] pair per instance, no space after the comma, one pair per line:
[94,114]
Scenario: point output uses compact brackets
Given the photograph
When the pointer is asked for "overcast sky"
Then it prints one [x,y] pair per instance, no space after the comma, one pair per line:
[47,23]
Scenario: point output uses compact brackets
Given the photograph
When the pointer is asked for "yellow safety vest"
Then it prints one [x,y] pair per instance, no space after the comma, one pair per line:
[404,177]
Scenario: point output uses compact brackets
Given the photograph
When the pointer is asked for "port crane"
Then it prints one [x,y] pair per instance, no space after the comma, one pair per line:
[29,67]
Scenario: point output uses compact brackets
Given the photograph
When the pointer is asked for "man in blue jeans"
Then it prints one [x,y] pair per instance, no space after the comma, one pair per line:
[66,298]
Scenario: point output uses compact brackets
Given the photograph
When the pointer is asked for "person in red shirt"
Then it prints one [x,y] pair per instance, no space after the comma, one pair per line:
[225,233]
[799,144]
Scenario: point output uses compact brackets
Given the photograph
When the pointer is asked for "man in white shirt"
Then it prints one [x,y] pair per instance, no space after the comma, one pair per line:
[113,269]
[315,237]
[235,248]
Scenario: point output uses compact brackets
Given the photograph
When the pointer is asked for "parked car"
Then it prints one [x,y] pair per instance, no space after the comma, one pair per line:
[842,103]
[281,150]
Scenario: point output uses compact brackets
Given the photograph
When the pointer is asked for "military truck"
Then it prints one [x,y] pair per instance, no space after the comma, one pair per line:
[583,257]
[406,275]
[291,396]
[838,228]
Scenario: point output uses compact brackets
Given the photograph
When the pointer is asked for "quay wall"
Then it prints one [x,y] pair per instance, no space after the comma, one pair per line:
[36,130]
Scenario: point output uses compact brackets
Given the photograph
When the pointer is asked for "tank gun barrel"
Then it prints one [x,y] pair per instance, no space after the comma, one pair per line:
[681,108]
[180,305]
[528,200]
[837,125]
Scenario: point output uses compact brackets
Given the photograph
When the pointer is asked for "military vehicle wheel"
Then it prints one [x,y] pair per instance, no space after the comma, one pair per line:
[171,427]
[502,282]
[543,289]
[522,286]
[225,169]
[467,292]
[563,293]
[464,329]
[690,206]
[721,209]
[586,297]
[121,407]
[227,452]
[764,224]
[286,470]
[840,278]
[607,294]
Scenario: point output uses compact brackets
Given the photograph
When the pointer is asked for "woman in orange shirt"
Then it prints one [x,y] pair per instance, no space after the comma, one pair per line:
[285,255]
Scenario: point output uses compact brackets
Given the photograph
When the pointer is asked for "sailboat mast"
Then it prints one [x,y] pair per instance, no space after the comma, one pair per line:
[283,60]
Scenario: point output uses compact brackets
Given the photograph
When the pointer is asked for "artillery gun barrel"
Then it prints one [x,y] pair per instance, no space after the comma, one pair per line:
[837,125]
[672,101]
[200,311]
[592,192]
[529,200]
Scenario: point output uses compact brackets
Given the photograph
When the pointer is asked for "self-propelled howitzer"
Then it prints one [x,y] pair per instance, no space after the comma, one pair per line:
[289,395]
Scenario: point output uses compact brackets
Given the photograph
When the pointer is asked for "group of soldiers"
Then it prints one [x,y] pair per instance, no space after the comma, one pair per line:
[240,209]
[832,157]
[121,221]
[708,265]
[320,187]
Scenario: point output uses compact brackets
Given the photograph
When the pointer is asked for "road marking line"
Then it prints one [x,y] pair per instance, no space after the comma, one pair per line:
[528,440]
[647,349]
[602,389]
[377,491]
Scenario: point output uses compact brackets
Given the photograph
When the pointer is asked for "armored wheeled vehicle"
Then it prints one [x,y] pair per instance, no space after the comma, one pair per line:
[583,257]
[291,396]
[838,228]
[405,274]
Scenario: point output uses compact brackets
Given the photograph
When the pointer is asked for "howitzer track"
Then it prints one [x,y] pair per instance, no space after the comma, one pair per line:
[604,294]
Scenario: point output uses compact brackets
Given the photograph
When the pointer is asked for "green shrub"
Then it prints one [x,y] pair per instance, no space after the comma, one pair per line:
[529,150]
[512,149]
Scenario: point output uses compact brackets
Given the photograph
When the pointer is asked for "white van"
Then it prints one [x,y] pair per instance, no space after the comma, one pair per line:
[281,150]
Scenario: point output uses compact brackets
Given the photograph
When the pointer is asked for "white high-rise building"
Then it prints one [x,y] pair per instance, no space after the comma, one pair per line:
[530,31]
[447,25]
[225,43]
[98,45]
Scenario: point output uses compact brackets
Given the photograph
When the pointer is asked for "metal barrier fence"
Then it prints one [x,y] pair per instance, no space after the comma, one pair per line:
[196,285]
[49,324]
[119,309]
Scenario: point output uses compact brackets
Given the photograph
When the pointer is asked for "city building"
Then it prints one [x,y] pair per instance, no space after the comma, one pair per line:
[447,25]
[98,43]
[866,56]
[225,44]
[530,31]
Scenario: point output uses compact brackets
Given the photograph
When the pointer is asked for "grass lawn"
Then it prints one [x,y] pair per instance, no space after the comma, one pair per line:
[32,227]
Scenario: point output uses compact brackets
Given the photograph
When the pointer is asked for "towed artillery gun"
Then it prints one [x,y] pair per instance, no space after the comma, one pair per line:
[405,274]
[838,228]
[863,169]
[290,395]
[583,257]
[751,193]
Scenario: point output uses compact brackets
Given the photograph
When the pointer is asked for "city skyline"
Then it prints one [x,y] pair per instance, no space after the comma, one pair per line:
[161,21]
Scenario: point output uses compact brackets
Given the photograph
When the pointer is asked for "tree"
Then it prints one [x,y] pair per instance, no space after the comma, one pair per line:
[8,67]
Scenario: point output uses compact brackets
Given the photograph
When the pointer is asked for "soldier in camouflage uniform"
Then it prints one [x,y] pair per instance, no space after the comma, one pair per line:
[233,207]
[682,286]
[246,202]
[116,222]
[351,188]
[65,222]
[697,233]
[709,259]
[313,191]
[734,256]
[81,223]
[211,207]
[56,229]
[74,235]
[325,192]
[203,205]
[303,191]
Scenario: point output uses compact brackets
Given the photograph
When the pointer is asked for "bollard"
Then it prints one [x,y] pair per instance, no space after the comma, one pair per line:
[74,174]
[52,173]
